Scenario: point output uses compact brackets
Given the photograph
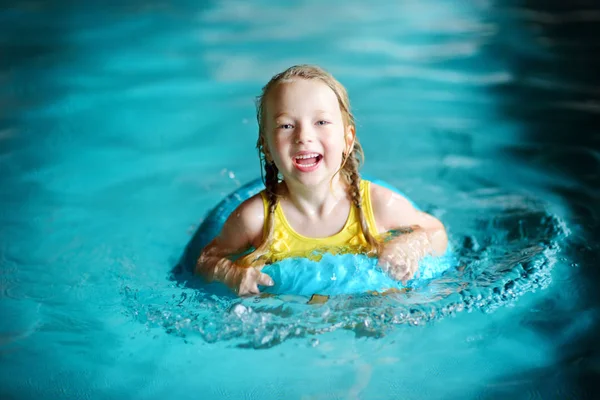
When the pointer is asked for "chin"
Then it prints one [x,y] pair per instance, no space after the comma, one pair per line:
[314,180]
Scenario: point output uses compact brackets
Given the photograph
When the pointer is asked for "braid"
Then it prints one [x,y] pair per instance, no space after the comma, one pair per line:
[350,171]
[270,179]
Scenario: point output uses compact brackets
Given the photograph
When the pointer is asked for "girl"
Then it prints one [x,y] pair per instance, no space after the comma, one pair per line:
[314,199]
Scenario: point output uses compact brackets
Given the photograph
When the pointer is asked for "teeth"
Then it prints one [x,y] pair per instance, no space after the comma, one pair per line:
[305,156]
[309,165]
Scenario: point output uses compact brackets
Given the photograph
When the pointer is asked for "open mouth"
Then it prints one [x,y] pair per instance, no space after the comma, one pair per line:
[307,162]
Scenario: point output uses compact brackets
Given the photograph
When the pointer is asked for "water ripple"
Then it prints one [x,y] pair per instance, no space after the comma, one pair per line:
[512,252]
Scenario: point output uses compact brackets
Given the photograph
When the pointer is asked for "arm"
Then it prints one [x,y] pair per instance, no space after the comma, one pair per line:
[242,230]
[400,256]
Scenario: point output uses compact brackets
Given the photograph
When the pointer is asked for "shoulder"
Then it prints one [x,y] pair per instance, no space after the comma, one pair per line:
[383,198]
[246,221]
[251,207]
[394,211]
[390,209]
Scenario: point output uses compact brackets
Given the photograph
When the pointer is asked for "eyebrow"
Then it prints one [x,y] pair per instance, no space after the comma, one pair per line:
[281,114]
[284,114]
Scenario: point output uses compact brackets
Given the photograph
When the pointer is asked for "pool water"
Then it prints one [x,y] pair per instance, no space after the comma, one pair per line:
[122,125]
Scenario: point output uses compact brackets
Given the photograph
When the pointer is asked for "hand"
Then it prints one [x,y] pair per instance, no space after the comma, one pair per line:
[245,280]
[400,257]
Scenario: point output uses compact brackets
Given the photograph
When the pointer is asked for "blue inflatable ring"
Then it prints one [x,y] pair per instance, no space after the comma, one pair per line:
[334,274]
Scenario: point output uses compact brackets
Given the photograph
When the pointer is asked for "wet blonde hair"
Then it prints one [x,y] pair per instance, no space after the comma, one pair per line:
[350,163]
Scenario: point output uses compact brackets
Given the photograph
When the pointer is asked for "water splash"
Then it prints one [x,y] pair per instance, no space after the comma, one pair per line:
[509,249]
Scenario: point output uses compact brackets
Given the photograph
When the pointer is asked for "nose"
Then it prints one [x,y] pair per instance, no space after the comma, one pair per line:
[304,133]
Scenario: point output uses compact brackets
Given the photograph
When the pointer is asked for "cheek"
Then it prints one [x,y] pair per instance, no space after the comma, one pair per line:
[277,144]
[277,147]
[335,154]
[337,146]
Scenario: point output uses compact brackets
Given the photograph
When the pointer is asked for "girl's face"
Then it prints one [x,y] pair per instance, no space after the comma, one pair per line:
[304,131]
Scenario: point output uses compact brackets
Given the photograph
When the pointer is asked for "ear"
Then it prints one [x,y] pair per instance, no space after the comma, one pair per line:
[349,137]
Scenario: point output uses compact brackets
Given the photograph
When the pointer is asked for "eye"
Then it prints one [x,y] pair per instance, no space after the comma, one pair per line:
[286,126]
[322,122]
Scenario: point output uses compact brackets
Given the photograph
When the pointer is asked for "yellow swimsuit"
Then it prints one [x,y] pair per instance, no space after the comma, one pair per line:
[289,243]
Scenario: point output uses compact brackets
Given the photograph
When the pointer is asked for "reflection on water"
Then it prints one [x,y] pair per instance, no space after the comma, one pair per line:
[560,137]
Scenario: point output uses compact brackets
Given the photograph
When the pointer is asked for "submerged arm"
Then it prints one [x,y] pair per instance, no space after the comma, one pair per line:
[423,234]
[242,230]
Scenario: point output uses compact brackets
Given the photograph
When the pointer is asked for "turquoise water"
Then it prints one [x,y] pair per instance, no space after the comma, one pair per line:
[121,126]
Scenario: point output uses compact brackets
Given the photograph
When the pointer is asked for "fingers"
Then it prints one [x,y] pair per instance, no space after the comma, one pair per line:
[397,272]
[247,289]
[403,271]
[250,281]
[251,291]
[406,278]
[265,280]
[396,268]
[410,273]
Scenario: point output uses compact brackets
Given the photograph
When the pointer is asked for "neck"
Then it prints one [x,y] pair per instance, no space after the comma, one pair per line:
[319,200]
